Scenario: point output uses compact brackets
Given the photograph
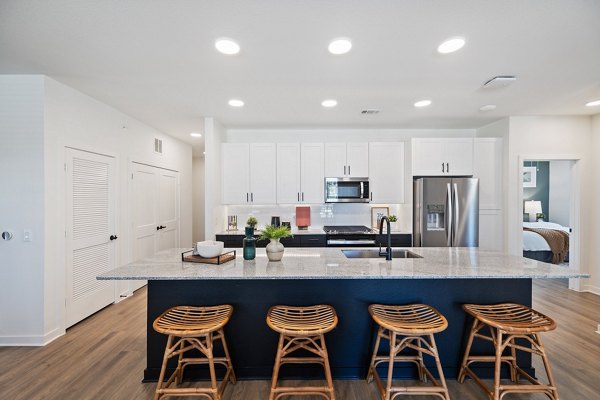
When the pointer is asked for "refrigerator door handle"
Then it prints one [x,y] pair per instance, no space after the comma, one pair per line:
[449,209]
[456,213]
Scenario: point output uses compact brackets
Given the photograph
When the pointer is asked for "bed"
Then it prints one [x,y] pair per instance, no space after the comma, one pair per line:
[535,246]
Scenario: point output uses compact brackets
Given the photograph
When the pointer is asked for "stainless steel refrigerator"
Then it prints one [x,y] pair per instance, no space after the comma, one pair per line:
[446,212]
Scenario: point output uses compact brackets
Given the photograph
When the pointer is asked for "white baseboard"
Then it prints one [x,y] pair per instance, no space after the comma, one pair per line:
[31,340]
[591,288]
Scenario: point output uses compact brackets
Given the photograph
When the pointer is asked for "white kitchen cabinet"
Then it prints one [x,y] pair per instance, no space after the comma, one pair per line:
[387,172]
[491,233]
[300,173]
[249,174]
[487,166]
[442,156]
[347,159]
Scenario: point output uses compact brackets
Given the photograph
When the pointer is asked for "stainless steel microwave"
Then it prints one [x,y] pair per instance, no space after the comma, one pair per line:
[346,190]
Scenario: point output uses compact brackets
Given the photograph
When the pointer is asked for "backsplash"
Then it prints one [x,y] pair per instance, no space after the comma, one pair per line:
[320,214]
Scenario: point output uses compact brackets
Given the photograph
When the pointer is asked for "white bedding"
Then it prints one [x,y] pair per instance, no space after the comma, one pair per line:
[534,242]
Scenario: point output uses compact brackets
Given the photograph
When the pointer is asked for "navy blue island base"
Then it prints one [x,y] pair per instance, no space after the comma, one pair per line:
[253,344]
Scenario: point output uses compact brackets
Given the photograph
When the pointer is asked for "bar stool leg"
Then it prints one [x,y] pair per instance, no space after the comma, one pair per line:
[393,347]
[546,361]
[465,362]
[327,367]
[438,363]
[228,357]
[163,368]
[375,351]
[179,376]
[514,374]
[498,363]
[211,365]
[421,363]
[276,367]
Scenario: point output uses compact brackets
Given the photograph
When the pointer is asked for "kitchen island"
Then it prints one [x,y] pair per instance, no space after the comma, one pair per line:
[444,278]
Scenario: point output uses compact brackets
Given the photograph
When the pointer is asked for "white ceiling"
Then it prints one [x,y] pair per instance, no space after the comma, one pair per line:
[156,60]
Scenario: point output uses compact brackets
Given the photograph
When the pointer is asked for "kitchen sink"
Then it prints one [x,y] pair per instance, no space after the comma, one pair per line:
[374,253]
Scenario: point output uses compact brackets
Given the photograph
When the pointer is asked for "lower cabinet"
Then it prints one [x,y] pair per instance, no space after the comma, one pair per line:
[236,240]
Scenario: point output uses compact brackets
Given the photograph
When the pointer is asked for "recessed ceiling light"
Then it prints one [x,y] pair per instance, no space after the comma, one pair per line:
[329,103]
[227,46]
[340,46]
[236,103]
[451,45]
[422,103]
[593,103]
[488,107]
[195,134]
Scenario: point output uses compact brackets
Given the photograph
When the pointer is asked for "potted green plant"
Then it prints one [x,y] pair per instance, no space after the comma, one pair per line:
[274,234]
[251,222]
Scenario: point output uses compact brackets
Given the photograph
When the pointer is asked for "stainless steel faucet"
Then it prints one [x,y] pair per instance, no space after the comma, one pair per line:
[388,250]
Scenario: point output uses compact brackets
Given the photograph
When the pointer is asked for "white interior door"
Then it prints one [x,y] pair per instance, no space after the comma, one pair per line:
[168,209]
[91,195]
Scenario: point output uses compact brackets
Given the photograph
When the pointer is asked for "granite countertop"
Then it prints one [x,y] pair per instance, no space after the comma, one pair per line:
[330,263]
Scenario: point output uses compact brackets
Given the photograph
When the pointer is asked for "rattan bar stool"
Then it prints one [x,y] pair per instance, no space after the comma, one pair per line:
[191,328]
[302,328]
[408,327]
[507,322]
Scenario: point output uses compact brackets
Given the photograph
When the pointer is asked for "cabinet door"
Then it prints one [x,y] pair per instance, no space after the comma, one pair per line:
[459,156]
[288,173]
[335,160]
[235,159]
[428,157]
[263,174]
[312,176]
[491,233]
[487,166]
[386,167]
[357,159]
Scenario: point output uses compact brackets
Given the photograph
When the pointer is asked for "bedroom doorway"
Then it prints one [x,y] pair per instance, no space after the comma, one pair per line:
[550,203]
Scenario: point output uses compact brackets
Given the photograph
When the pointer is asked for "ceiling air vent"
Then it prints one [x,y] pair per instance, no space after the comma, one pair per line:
[158,146]
[499,81]
[370,111]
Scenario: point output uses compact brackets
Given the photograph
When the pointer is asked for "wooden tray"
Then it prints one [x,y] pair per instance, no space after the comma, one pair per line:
[218,260]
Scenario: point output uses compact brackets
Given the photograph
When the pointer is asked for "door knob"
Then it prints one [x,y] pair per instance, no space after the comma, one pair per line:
[113,237]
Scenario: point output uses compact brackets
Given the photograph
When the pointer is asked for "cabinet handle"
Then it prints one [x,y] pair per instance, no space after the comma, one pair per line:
[344,170]
[443,168]
[349,170]
[302,196]
[246,197]
[298,196]
[371,196]
[252,197]
[447,167]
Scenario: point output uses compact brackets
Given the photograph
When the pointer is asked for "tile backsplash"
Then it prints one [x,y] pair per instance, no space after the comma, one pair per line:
[321,214]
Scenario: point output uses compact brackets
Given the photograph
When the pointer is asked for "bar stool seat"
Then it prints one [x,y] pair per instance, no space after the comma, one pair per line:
[408,327]
[508,322]
[302,328]
[190,328]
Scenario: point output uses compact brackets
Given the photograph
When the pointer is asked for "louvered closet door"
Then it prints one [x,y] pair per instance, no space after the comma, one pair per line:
[91,191]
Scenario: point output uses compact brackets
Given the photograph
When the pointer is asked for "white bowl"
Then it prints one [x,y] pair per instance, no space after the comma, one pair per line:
[209,248]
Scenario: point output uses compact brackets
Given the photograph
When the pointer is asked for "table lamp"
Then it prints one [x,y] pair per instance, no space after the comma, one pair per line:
[533,207]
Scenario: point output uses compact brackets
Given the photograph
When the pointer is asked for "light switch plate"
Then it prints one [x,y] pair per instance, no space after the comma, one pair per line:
[27,235]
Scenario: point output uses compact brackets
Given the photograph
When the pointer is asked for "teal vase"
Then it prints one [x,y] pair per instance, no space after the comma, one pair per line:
[249,244]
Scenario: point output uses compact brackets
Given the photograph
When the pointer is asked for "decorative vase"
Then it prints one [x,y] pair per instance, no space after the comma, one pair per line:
[275,250]
[249,244]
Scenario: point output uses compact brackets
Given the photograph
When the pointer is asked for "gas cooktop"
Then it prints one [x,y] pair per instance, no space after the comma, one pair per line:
[347,230]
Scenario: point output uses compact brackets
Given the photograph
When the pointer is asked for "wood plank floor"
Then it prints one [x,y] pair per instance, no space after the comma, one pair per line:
[103,357]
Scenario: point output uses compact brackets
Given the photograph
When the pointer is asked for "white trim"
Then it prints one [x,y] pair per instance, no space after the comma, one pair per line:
[591,289]
[31,340]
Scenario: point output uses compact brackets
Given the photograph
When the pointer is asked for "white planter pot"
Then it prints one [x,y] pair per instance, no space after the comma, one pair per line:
[274,250]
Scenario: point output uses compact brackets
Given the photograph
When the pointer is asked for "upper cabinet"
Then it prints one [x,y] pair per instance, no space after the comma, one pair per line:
[386,167]
[300,173]
[487,166]
[249,174]
[347,159]
[442,157]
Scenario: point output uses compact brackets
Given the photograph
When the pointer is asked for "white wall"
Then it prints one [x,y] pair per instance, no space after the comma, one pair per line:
[214,214]
[594,213]
[544,138]
[198,199]
[21,207]
[65,117]
[560,192]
